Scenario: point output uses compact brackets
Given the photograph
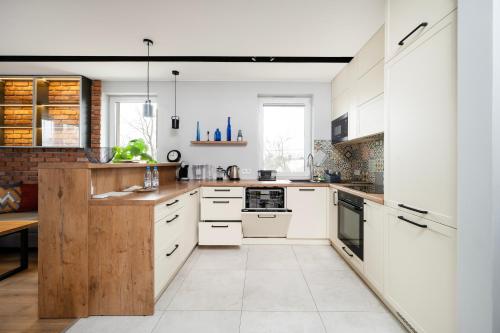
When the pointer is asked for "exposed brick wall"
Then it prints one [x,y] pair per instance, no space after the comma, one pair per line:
[64,92]
[18,92]
[95,115]
[21,164]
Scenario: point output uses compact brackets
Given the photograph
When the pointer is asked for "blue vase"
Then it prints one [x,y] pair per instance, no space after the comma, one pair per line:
[228,135]
[217,135]
[198,135]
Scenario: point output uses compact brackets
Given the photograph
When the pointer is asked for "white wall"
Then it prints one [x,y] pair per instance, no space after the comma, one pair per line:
[211,103]
[478,167]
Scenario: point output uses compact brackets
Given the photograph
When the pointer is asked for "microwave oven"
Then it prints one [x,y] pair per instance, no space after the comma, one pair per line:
[340,129]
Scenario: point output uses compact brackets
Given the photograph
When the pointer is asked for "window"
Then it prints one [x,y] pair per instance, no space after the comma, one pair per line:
[127,121]
[285,135]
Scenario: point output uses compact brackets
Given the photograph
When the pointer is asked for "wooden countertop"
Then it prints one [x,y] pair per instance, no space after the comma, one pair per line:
[172,190]
[87,165]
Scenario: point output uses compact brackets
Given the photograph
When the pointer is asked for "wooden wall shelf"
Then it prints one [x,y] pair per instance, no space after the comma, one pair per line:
[219,143]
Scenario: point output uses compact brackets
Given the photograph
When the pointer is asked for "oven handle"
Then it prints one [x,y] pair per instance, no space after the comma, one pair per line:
[343,203]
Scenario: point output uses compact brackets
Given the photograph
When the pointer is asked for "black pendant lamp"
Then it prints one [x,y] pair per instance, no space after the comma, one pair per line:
[147,111]
[175,118]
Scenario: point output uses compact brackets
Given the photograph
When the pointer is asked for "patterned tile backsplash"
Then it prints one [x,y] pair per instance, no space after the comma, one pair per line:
[357,161]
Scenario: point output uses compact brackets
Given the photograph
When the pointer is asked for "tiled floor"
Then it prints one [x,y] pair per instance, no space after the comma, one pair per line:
[259,289]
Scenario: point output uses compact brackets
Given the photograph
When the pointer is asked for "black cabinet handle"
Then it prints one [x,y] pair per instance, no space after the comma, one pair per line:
[307,189]
[266,216]
[220,226]
[350,255]
[365,221]
[172,203]
[220,202]
[222,190]
[193,193]
[413,209]
[335,198]
[411,222]
[172,219]
[421,25]
[172,252]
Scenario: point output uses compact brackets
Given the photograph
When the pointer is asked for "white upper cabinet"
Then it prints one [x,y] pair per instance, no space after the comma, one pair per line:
[421,133]
[309,207]
[357,89]
[404,16]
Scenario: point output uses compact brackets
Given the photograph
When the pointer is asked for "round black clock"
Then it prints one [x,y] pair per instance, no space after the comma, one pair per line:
[174,156]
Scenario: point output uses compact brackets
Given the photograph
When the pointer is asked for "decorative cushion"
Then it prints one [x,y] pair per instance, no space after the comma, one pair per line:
[10,197]
[29,198]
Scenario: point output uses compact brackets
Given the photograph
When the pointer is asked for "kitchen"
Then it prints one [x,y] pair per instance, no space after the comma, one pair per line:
[275,188]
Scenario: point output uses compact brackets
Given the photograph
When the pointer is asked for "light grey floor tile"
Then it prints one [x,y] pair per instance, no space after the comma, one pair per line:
[271,257]
[199,321]
[319,258]
[281,322]
[116,324]
[233,258]
[168,295]
[361,322]
[341,291]
[210,290]
[277,291]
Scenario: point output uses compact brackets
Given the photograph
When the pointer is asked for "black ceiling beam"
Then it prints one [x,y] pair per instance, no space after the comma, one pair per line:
[27,58]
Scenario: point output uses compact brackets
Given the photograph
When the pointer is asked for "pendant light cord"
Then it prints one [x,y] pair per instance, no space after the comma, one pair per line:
[175,95]
[148,76]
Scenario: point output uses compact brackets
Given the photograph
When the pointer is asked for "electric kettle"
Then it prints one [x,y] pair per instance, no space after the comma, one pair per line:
[233,172]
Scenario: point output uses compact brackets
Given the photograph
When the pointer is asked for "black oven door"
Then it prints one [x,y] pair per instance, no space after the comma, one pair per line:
[350,229]
[340,129]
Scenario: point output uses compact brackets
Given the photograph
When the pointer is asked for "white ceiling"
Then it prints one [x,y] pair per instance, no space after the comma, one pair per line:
[324,28]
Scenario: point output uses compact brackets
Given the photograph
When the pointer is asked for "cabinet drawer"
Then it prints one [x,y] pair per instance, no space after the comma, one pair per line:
[221,209]
[166,264]
[168,207]
[351,257]
[167,229]
[220,233]
[222,192]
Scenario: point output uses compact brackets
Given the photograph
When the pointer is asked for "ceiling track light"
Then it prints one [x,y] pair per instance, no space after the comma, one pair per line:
[147,111]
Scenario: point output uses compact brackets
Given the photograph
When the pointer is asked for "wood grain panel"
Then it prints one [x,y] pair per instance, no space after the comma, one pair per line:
[121,270]
[63,261]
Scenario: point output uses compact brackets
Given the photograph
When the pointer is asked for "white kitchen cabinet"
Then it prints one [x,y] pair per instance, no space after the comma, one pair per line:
[334,217]
[371,84]
[342,104]
[421,121]
[309,207]
[192,210]
[371,53]
[403,16]
[345,79]
[220,233]
[221,209]
[374,241]
[420,277]
[222,192]
[371,117]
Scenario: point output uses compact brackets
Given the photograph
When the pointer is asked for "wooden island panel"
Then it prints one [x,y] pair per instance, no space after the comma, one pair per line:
[62,246]
[121,283]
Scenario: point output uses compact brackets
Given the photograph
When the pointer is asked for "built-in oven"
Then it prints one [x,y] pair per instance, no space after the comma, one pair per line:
[350,225]
[265,213]
[340,129]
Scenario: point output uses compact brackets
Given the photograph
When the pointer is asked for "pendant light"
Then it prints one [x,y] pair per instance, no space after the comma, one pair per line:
[147,107]
[175,118]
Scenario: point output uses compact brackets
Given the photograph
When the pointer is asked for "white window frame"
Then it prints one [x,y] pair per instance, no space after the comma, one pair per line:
[114,114]
[305,101]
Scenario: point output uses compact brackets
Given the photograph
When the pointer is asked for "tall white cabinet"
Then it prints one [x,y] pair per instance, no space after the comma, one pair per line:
[309,207]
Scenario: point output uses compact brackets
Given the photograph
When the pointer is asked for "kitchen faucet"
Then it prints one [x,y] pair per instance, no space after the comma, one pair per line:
[310,164]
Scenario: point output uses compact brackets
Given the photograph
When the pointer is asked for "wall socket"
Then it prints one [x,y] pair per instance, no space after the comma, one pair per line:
[246,171]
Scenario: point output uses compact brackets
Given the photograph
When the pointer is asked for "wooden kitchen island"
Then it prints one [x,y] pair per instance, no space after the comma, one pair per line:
[97,256]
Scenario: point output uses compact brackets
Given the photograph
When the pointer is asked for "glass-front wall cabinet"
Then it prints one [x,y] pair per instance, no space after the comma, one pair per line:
[49,111]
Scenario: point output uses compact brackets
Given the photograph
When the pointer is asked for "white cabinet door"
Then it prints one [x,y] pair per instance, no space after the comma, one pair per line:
[334,218]
[371,53]
[220,233]
[221,209]
[371,117]
[309,212]
[370,85]
[421,134]
[192,211]
[403,16]
[374,243]
[421,272]
[343,104]
[345,79]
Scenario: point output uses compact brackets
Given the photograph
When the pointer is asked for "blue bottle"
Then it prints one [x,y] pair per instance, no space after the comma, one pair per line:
[198,135]
[217,135]
[228,135]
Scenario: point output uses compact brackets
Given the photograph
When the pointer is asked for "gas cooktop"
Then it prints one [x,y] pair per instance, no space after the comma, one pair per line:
[367,188]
